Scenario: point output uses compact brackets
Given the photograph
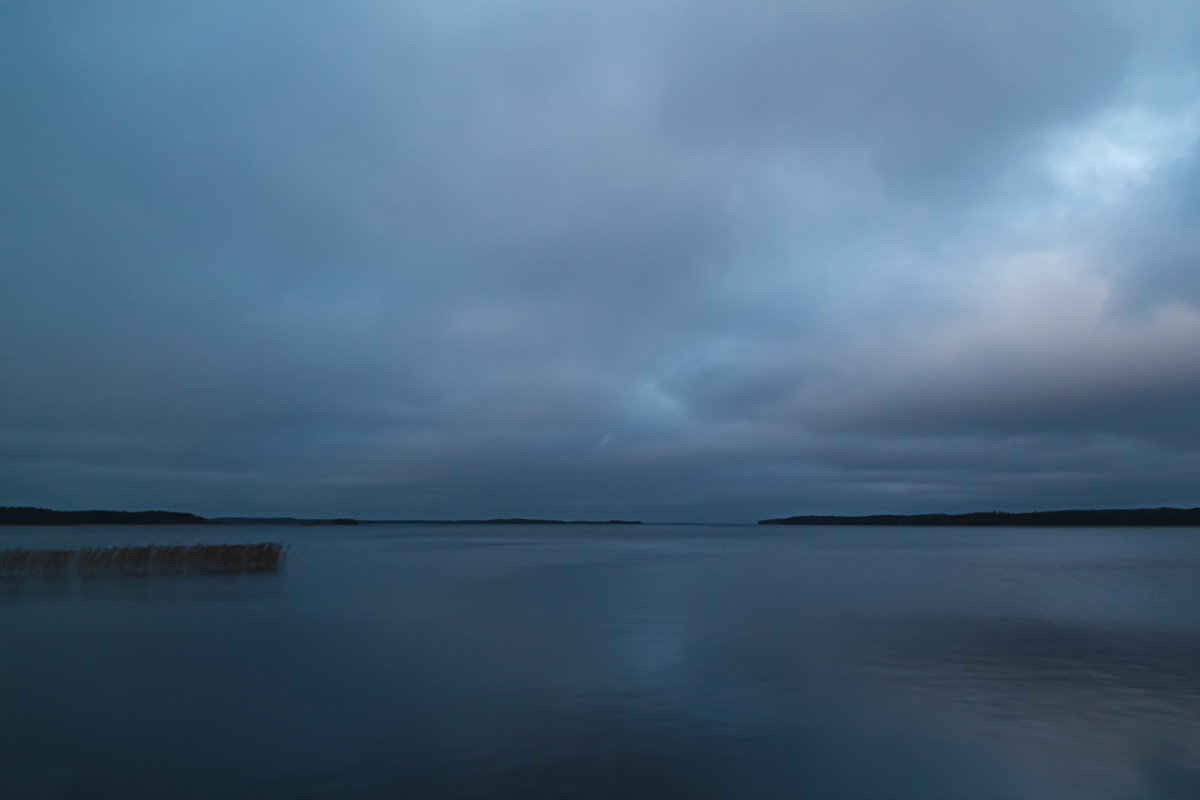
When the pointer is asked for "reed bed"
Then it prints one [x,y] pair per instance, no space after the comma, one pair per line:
[216,559]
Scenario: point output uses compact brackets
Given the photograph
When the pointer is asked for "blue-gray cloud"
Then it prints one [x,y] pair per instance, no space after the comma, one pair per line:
[688,261]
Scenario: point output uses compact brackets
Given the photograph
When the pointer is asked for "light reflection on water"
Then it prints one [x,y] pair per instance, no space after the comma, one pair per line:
[601,662]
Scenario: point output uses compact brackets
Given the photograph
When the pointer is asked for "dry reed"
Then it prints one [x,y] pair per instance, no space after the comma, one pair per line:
[220,559]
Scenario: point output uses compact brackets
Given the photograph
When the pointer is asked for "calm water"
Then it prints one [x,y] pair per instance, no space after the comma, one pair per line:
[587,661]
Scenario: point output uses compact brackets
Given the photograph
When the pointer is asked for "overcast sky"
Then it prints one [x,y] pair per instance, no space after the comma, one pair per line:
[696,261]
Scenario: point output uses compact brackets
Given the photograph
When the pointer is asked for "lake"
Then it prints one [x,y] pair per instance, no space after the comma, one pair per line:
[576,661]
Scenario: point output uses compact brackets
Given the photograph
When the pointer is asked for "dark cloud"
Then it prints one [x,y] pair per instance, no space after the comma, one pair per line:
[410,259]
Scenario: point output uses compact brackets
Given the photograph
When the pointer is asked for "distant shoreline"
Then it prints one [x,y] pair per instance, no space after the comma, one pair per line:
[29,515]
[1112,517]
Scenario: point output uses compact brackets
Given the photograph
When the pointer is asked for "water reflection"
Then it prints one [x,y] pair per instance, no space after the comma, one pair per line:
[1089,707]
[579,662]
[139,589]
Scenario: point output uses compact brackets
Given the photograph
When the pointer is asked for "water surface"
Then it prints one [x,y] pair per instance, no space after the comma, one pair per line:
[594,661]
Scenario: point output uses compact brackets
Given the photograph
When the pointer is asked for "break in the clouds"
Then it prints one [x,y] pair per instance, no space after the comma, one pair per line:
[678,260]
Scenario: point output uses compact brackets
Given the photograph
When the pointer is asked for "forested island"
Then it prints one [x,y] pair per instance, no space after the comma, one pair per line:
[1107,517]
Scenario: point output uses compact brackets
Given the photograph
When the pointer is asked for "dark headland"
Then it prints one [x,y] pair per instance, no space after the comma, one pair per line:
[1107,517]
[29,515]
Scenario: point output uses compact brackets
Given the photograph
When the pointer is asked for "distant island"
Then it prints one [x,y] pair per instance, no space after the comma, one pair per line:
[29,515]
[1109,517]
[505,521]
[279,521]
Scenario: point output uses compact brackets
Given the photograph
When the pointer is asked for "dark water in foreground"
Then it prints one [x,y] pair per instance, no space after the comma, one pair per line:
[582,662]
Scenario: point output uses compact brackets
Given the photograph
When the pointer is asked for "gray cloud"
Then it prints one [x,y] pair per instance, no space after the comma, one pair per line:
[922,91]
[410,259]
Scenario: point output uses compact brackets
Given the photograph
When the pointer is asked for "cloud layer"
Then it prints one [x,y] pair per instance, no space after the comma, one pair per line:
[591,259]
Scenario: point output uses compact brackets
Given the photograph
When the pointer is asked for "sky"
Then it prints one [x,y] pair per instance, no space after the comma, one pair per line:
[673,261]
